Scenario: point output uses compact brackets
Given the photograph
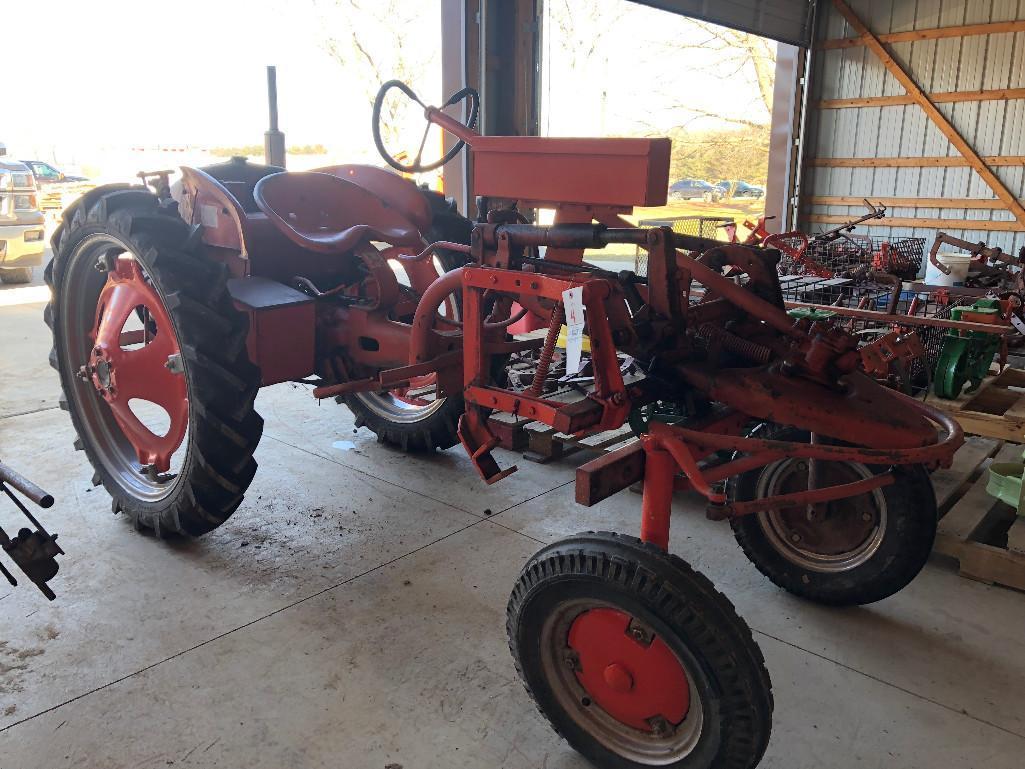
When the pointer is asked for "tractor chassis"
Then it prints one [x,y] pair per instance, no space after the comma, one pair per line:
[668,458]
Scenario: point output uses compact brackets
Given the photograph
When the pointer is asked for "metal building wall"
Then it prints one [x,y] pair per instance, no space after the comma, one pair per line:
[993,128]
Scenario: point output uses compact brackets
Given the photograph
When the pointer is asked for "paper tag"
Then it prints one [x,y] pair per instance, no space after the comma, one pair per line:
[573,302]
[1018,323]
[208,216]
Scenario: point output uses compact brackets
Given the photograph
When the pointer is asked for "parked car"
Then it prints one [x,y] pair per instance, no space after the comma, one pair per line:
[740,189]
[21,222]
[47,174]
[694,189]
[55,186]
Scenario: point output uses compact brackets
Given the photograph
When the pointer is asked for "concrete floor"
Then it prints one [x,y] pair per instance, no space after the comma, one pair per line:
[351,614]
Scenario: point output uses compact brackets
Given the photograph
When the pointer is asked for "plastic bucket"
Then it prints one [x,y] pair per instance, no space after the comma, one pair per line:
[958,264]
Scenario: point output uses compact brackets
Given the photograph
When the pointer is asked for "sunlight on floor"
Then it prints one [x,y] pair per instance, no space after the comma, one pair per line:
[27,295]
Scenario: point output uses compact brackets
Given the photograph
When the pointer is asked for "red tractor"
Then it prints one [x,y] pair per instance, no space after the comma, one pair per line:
[354,280]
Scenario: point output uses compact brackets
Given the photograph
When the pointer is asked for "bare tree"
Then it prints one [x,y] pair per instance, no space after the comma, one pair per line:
[729,54]
[380,40]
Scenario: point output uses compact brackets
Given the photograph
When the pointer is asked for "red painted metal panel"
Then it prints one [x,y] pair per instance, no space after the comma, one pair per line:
[599,172]
[281,341]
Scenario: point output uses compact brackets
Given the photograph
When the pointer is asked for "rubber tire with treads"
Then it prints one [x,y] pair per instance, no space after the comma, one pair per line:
[224,428]
[437,430]
[15,275]
[683,608]
[902,553]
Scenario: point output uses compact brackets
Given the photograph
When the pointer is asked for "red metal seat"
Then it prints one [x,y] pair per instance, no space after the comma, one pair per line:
[396,191]
[329,215]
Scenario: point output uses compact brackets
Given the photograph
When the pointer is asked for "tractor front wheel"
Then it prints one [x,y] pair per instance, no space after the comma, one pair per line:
[636,659]
[152,360]
[854,550]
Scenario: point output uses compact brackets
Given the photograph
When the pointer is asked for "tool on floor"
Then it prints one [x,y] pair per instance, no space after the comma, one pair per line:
[34,550]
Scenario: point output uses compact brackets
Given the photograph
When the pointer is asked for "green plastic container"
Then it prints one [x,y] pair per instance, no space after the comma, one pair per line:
[1005,482]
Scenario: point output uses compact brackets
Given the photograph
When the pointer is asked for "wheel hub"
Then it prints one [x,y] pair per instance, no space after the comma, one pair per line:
[632,675]
[103,374]
[832,528]
[134,365]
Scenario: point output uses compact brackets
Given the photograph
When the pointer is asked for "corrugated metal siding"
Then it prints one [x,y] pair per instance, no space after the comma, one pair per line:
[954,64]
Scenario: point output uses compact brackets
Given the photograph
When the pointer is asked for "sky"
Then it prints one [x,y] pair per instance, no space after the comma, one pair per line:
[122,73]
[127,72]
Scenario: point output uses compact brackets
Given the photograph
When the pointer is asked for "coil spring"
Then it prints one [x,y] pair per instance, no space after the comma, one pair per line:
[544,360]
[728,341]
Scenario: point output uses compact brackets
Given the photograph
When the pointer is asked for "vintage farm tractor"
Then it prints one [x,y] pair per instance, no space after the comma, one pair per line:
[354,280]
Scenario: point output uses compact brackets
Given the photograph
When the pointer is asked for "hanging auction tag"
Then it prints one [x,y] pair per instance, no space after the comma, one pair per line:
[573,302]
[1018,323]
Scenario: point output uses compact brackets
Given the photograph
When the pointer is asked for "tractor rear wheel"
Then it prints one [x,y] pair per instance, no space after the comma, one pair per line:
[414,419]
[152,359]
[849,551]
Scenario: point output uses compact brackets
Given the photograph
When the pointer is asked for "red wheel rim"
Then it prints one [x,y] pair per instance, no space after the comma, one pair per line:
[153,372]
[629,672]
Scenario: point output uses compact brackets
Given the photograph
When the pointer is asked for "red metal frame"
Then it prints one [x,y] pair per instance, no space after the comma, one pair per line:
[798,373]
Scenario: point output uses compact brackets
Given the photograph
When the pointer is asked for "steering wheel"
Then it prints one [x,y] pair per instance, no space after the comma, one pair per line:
[417,166]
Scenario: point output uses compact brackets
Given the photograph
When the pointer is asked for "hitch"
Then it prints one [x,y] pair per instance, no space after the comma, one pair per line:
[34,550]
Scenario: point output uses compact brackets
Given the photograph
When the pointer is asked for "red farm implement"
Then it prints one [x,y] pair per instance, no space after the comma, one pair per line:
[253,276]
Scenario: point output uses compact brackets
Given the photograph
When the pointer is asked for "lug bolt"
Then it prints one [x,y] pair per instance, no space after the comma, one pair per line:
[175,364]
[639,634]
[795,537]
[660,727]
[866,517]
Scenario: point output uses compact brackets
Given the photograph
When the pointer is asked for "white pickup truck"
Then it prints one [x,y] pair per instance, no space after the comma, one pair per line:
[21,223]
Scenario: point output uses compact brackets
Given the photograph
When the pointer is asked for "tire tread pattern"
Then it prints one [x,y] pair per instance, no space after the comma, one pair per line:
[224,427]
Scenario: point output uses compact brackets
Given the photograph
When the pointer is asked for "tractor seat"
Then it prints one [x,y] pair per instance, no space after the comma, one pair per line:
[329,215]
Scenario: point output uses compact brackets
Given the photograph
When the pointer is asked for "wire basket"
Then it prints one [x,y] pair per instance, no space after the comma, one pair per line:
[709,227]
[854,255]
[918,375]
[835,292]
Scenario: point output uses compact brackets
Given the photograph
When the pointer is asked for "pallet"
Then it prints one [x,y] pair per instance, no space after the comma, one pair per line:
[985,535]
[995,410]
[545,443]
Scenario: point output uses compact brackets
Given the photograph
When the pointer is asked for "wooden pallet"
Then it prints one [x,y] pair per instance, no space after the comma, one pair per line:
[996,409]
[545,444]
[985,535]
[541,443]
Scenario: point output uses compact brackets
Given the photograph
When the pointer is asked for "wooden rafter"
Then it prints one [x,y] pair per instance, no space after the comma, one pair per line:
[929,161]
[890,202]
[944,97]
[965,30]
[933,224]
[930,109]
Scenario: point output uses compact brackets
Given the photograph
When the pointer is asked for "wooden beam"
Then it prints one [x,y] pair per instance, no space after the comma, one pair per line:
[944,97]
[843,200]
[934,224]
[930,109]
[954,161]
[964,30]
